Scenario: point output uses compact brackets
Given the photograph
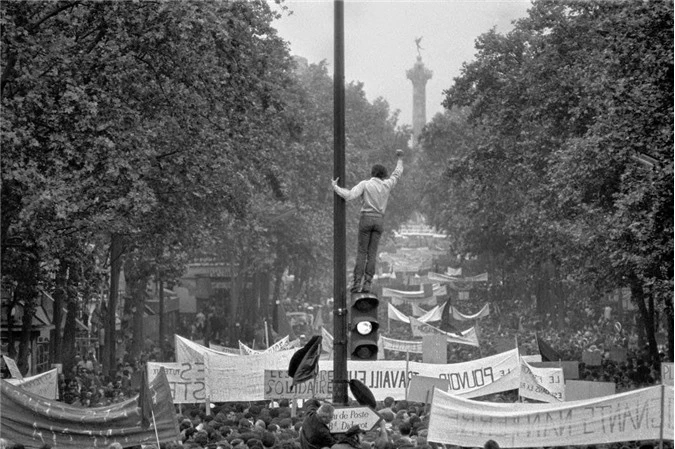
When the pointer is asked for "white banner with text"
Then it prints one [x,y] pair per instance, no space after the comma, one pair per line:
[635,415]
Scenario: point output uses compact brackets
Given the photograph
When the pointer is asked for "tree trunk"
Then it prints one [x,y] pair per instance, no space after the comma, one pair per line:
[27,294]
[162,319]
[136,294]
[234,322]
[68,348]
[116,251]
[647,317]
[56,334]
[669,326]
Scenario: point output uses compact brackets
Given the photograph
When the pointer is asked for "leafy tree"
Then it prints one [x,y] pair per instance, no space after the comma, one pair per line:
[561,107]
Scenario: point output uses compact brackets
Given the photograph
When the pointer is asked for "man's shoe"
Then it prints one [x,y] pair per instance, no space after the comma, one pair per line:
[355,289]
[366,287]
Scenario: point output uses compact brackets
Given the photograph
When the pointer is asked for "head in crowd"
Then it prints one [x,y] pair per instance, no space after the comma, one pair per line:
[325,413]
[491,444]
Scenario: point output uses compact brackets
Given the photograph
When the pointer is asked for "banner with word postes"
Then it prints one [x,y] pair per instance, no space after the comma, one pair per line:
[186,380]
[467,337]
[278,386]
[458,316]
[44,384]
[541,384]
[635,415]
[241,378]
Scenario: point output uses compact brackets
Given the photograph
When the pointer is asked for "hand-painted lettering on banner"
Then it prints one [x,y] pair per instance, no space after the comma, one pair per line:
[278,386]
[186,380]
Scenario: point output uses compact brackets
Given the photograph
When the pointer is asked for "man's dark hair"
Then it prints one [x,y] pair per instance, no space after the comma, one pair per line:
[491,444]
[405,429]
[379,171]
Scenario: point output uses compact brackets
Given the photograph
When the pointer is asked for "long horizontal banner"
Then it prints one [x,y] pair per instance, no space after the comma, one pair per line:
[434,314]
[467,337]
[34,420]
[635,415]
[390,378]
[457,315]
[413,347]
[242,378]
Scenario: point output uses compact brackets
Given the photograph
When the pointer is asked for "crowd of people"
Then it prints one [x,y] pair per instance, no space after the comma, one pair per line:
[587,327]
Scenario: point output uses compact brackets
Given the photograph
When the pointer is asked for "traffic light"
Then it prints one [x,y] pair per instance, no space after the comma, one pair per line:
[363,326]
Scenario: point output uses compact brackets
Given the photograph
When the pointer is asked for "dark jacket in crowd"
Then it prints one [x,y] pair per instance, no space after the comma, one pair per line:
[314,433]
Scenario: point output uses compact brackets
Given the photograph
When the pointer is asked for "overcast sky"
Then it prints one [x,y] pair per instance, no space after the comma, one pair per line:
[380,41]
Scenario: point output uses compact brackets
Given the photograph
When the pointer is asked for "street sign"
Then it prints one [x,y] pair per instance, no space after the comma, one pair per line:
[344,418]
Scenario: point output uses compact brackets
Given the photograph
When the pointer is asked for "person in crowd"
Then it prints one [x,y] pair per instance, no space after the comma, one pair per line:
[315,433]
[351,439]
[374,195]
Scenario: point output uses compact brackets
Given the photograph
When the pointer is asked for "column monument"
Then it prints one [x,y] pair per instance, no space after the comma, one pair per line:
[419,75]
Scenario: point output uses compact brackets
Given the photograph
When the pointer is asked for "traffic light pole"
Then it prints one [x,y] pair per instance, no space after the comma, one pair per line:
[339,220]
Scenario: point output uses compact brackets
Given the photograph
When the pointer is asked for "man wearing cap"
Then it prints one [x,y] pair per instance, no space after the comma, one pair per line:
[314,433]
[351,440]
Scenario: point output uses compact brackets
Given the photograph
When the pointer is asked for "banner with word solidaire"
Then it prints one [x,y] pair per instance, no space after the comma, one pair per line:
[644,414]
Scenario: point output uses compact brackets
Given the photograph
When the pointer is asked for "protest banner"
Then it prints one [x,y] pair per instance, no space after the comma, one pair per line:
[457,315]
[186,380]
[667,373]
[278,386]
[421,388]
[326,341]
[44,384]
[246,350]
[413,347]
[434,349]
[585,389]
[34,420]
[467,337]
[242,378]
[635,415]
[11,366]
[591,358]
[570,367]
[190,351]
[619,355]
[225,349]
[541,384]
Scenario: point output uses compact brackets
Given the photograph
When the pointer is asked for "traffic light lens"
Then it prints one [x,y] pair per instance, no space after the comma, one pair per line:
[364,328]
[364,353]
[366,304]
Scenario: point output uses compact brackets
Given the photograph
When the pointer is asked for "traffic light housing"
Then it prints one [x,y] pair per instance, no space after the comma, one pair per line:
[363,326]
